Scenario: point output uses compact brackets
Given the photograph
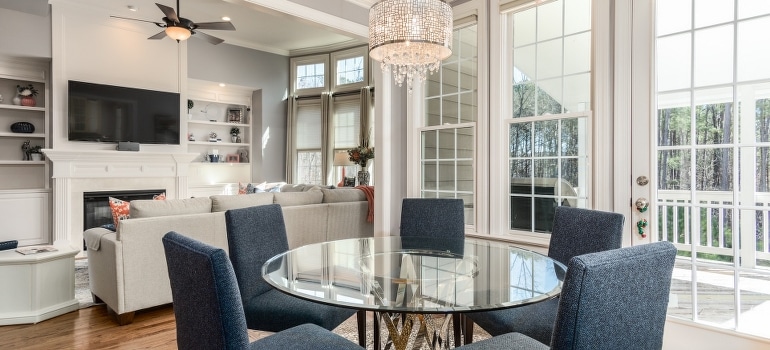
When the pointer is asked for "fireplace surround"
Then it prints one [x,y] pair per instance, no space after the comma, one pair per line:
[76,172]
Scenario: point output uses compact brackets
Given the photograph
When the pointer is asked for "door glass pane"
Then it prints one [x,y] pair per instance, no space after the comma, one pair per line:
[713,53]
[712,145]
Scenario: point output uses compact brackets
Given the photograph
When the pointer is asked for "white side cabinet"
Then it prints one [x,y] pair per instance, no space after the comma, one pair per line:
[37,287]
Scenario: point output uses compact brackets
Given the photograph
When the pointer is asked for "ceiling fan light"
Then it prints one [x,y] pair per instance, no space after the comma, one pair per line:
[178,33]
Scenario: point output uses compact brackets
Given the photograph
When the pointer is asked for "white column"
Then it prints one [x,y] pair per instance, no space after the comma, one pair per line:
[61,210]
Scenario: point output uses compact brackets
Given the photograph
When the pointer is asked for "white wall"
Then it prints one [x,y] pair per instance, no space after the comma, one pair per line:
[88,45]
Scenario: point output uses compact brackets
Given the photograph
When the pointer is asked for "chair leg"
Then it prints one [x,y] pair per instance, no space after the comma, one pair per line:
[361,318]
[468,334]
[376,330]
[457,327]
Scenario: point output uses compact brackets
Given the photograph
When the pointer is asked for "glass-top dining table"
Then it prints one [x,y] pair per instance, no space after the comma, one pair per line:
[406,279]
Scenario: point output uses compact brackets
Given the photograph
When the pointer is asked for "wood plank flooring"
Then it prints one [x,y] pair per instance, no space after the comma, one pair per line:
[93,328]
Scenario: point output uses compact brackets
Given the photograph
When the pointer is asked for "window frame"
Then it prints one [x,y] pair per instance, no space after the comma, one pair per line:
[336,56]
[295,62]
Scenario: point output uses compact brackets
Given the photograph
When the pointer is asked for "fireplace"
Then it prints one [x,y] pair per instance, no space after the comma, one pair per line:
[96,205]
[79,172]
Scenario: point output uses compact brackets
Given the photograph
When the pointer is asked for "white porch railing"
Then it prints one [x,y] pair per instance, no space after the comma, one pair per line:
[714,231]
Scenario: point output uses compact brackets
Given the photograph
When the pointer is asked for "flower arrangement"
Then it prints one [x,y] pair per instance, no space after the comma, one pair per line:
[235,131]
[361,155]
[28,90]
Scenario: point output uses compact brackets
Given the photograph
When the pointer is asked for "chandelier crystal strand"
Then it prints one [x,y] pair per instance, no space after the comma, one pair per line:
[410,37]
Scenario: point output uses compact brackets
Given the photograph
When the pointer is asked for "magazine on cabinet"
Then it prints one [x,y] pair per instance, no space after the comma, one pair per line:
[36,249]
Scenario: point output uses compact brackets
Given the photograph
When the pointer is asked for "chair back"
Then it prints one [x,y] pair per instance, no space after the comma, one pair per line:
[432,217]
[615,299]
[207,306]
[579,231]
[254,235]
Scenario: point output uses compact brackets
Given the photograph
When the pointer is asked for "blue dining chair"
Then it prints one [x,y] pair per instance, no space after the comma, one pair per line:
[575,232]
[614,299]
[207,304]
[254,235]
[434,218]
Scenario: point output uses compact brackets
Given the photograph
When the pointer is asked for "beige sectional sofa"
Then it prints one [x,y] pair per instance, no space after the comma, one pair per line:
[127,268]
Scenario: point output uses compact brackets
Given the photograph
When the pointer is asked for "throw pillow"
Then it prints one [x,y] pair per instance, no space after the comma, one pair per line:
[121,209]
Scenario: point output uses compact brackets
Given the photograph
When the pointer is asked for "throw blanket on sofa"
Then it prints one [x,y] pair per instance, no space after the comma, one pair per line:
[369,192]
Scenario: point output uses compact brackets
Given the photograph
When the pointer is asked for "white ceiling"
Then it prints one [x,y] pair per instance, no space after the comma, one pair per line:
[277,26]
[257,27]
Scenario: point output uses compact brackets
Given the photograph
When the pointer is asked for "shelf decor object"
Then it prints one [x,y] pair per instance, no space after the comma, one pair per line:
[410,37]
[22,127]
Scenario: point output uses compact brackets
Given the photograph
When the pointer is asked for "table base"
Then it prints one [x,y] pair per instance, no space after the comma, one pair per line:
[415,331]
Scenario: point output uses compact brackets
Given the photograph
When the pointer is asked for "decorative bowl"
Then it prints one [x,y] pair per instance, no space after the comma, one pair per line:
[22,127]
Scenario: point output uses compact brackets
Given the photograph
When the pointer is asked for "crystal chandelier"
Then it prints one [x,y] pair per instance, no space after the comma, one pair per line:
[410,37]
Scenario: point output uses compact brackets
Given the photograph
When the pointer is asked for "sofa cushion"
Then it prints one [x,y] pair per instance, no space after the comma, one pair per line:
[145,208]
[225,202]
[288,199]
[343,195]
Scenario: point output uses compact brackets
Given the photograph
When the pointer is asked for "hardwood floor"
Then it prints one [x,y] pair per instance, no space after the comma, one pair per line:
[93,328]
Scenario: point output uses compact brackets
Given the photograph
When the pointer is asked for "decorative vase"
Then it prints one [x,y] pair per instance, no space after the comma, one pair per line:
[234,138]
[16,100]
[28,101]
[363,178]
[36,156]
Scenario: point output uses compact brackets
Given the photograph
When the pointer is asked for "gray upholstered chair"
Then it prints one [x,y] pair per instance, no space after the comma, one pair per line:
[254,235]
[575,232]
[615,299]
[432,217]
[208,309]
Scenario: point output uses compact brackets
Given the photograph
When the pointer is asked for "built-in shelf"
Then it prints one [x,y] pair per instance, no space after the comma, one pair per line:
[22,108]
[22,135]
[206,122]
[217,143]
[22,162]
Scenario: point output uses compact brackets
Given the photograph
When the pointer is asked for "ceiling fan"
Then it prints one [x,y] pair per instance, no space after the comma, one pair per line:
[179,28]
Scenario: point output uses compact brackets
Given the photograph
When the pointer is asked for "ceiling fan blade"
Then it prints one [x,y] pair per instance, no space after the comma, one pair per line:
[211,39]
[215,25]
[160,35]
[168,12]
[140,20]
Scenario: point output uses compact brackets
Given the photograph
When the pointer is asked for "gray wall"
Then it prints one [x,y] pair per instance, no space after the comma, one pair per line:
[24,34]
[269,74]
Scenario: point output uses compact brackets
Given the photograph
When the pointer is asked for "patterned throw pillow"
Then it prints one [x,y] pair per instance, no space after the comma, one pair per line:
[120,208]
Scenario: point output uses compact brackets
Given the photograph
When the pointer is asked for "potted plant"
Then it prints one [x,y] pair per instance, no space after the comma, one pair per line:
[27,94]
[36,153]
[190,105]
[234,132]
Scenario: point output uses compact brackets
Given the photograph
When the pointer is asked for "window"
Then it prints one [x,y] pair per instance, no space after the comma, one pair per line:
[713,117]
[309,75]
[549,50]
[309,122]
[326,119]
[350,69]
[448,137]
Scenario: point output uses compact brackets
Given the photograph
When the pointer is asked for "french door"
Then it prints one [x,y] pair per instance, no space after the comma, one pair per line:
[699,136]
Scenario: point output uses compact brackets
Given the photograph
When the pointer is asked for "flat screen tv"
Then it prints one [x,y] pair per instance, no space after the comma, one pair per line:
[106,113]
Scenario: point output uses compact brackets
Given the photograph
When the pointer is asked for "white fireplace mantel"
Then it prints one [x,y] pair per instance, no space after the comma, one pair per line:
[77,171]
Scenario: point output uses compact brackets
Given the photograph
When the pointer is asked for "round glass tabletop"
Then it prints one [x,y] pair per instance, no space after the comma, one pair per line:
[416,274]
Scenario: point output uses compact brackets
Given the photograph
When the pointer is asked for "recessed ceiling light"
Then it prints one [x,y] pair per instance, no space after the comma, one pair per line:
[225,18]
[133,8]
[222,84]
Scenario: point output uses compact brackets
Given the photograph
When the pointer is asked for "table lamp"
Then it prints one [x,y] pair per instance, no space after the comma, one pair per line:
[342,159]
